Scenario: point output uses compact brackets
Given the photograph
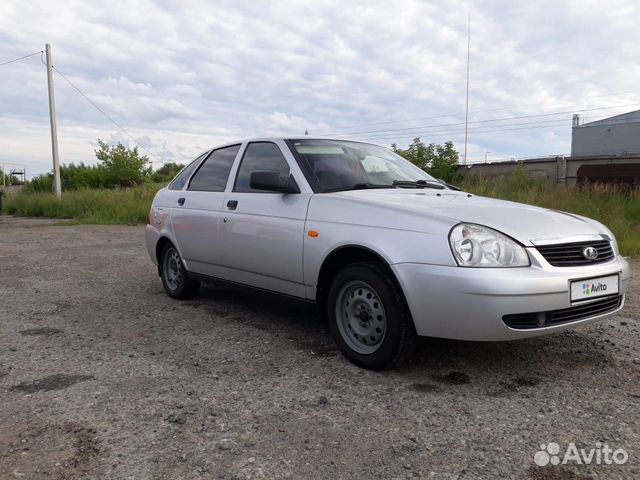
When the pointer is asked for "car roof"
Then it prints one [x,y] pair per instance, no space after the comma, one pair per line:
[290,137]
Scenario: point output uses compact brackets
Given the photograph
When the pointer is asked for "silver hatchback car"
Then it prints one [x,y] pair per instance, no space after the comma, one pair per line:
[386,251]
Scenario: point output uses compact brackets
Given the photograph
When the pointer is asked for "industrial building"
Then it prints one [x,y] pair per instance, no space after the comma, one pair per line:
[618,135]
[604,151]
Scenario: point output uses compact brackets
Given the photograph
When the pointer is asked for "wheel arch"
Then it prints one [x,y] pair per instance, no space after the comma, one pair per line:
[160,244]
[338,259]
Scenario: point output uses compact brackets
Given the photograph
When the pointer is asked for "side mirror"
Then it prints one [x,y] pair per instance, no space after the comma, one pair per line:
[273,181]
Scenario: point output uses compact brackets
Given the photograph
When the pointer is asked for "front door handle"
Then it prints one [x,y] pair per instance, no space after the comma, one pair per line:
[232,204]
[181,201]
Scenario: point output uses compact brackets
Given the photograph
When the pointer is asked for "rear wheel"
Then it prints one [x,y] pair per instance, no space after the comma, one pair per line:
[175,279]
[368,316]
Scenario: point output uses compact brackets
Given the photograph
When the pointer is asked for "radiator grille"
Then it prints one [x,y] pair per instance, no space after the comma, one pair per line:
[571,254]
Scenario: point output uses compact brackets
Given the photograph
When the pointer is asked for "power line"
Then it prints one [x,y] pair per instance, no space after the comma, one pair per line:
[416,119]
[480,132]
[107,115]
[516,126]
[458,133]
[419,128]
[20,58]
[481,129]
[407,129]
[559,122]
[461,114]
[445,129]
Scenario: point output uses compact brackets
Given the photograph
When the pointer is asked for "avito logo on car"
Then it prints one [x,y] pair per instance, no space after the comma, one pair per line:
[592,288]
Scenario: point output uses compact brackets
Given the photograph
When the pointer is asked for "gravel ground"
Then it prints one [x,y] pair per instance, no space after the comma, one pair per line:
[103,376]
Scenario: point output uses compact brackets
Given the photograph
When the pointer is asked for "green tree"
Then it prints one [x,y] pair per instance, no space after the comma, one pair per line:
[81,176]
[124,166]
[441,161]
[166,172]
[41,183]
[8,179]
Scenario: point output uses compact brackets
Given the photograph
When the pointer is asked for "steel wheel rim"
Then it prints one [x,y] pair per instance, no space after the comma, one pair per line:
[173,270]
[361,317]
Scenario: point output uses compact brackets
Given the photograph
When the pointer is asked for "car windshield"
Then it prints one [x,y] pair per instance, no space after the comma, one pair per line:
[343,165]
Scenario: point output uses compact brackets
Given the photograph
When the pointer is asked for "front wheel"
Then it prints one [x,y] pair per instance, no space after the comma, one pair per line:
[175,279]
[368,316]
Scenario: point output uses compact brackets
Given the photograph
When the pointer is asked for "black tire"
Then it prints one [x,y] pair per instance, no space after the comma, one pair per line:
[175,278]
[380,296]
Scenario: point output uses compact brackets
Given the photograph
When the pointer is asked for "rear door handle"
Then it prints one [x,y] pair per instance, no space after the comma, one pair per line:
[181,201]
[232,204]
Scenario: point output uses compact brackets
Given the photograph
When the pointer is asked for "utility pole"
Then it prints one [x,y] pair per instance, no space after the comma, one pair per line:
[54,128]
[466,115]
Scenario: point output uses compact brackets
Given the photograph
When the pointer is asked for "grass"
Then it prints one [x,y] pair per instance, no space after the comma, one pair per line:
[107,207]
[617,208]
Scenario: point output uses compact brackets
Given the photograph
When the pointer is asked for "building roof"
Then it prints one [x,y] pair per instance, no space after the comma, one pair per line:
[629,117]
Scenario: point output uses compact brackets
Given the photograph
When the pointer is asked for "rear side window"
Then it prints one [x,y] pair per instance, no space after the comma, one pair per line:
[259,156]
[181,179]
[213,174]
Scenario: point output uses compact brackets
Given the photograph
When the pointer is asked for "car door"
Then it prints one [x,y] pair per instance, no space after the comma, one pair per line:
[263,232]
[197,212]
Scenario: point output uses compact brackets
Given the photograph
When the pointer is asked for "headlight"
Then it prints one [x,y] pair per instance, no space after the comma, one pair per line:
[478,246]
[614,243]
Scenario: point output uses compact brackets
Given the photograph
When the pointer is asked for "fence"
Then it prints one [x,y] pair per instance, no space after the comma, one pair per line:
[570,170]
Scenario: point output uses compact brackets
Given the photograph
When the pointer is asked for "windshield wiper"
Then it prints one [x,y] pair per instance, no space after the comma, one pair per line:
[360,186]
[418,184]
[449,186]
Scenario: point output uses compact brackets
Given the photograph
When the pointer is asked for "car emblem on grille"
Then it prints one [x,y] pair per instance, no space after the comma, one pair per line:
[590,253]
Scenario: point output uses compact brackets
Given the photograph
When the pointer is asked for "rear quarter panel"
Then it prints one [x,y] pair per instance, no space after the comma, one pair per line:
[160,220]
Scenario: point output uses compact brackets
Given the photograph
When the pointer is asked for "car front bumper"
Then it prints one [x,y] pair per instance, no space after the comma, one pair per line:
[469,303]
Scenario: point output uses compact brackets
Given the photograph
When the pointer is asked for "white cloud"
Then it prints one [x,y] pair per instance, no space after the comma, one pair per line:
[184,75]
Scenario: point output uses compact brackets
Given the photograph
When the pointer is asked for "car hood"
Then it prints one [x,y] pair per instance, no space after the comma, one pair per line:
[411,210]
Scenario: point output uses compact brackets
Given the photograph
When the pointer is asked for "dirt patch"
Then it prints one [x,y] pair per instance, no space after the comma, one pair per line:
[453,378]
[52,382]
[42,331]
[48,451]
[519,382]
[425,387]
[559,472]
[513,385]
[86,447]
[320,349]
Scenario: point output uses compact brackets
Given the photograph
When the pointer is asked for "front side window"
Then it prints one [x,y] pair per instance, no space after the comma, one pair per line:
[343,165]
[181,179]
[260,156]
[212,176]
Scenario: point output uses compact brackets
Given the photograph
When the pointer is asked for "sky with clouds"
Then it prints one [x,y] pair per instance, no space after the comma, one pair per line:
[181,76]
